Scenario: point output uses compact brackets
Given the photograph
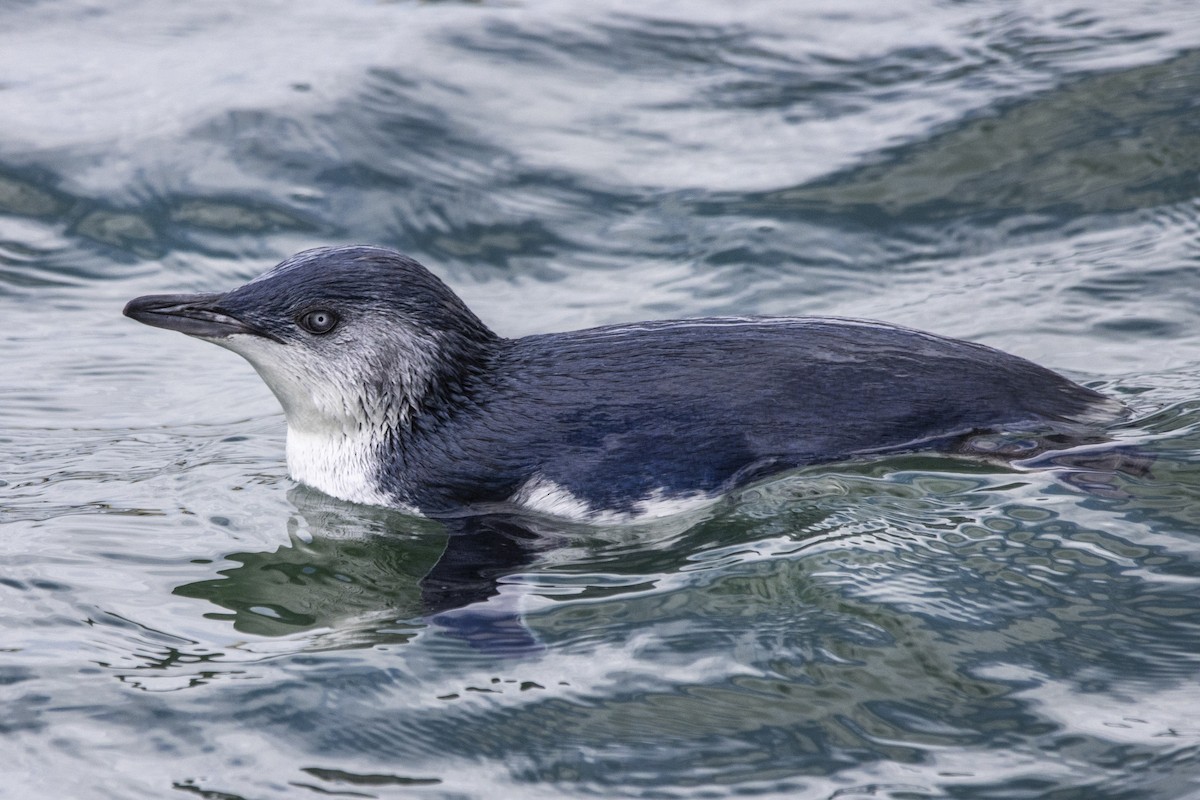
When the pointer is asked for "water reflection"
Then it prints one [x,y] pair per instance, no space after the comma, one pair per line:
[360,576]
[916,610]
[325,583]
[365,577]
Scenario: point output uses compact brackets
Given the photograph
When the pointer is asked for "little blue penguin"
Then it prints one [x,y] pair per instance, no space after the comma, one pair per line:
[397,395]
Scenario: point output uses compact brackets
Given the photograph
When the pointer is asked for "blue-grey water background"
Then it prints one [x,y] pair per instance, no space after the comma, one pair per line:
[178,618]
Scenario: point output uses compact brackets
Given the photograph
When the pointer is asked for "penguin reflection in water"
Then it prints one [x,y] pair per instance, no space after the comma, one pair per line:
[397,395]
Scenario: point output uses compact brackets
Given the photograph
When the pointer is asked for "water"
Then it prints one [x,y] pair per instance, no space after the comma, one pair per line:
[178,618]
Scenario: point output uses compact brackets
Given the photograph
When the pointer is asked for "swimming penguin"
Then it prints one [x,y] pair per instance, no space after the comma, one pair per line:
[397,395]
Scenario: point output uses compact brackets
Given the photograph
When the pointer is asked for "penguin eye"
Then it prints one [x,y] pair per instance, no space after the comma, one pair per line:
[318,321]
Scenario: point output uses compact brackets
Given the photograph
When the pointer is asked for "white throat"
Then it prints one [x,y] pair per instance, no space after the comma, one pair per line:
[336,424]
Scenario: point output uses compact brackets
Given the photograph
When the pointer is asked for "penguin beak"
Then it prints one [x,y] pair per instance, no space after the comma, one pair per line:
[194,314]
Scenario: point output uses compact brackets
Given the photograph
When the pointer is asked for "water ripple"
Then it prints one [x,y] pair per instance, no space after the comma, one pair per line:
[906,627]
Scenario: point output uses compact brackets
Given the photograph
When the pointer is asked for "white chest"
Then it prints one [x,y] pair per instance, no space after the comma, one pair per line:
[340,464]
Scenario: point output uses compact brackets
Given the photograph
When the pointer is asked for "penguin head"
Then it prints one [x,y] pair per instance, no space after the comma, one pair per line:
[337,333]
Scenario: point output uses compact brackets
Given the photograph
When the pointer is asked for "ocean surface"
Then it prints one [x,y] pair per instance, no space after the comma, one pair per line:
[180,619]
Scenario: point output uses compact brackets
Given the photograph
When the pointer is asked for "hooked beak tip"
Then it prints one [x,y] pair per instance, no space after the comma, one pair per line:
[193,314]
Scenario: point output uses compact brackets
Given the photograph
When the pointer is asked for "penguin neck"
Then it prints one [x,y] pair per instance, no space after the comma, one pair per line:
[364,445]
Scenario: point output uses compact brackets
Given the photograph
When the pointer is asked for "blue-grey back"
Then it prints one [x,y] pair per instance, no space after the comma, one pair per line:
[613,414]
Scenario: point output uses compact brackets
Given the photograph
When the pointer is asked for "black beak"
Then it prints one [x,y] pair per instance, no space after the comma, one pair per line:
[193,314]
